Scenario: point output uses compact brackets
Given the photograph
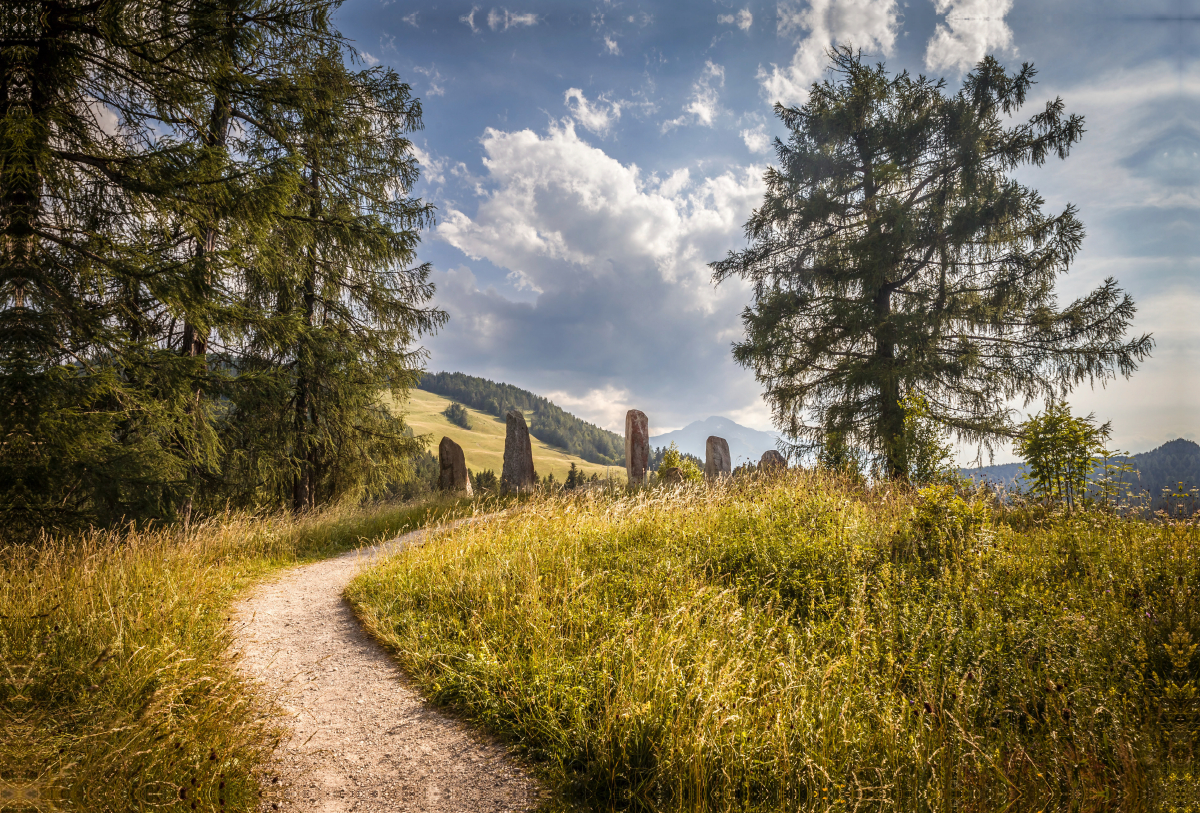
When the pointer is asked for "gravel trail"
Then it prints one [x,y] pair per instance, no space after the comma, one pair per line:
[361,739]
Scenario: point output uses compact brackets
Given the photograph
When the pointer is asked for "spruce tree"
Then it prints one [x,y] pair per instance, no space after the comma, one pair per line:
[320,423]
[894,255]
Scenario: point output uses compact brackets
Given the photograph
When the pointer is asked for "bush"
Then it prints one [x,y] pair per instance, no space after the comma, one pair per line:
[457,414]
[687,464]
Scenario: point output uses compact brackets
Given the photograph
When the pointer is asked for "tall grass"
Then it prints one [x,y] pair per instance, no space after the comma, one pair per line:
[117,691]
[804,640]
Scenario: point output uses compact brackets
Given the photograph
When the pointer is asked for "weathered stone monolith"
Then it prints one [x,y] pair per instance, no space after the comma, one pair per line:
[670,475]
[717,462]
[772,461]
[637,446]
[518,474]
[454,475]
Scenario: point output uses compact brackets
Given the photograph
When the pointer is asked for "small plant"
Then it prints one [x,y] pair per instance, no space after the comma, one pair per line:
[457,414]
[927,450]
[1061,452]
[674,459]
[575,477]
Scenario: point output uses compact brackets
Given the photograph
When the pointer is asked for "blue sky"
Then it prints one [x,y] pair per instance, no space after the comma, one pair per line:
[589,159]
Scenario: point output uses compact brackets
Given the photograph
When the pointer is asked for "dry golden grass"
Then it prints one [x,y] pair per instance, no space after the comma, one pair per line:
[117,692]
[807,641]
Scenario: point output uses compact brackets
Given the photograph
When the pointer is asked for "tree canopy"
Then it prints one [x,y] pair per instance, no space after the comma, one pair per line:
[893,254]
[206,279]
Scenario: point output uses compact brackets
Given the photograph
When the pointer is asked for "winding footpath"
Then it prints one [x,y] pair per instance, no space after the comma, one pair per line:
[359,737]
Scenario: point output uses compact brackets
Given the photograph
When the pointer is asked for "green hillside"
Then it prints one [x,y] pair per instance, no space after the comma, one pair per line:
[483,444]
[546,420]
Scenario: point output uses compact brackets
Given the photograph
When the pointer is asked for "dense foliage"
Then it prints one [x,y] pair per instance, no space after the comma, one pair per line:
[1061,452]
[893,253]
[547,422]
[457,414]
[204,272]
[806,638]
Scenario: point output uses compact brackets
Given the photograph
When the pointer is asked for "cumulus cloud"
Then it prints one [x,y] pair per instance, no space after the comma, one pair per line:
[744,19]
[605,406]
[704,105]
[973,29]
[618,259]
[469,19]
[411,19]
[611,46]
[757,140]
[823,24]
[598,116]
[367,58]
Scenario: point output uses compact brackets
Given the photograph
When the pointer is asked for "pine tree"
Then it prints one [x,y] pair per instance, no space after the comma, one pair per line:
[893,254]
[338,270]
[99,417]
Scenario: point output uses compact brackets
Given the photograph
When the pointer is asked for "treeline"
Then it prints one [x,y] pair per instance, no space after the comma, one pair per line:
[207,273]
[1164,478]
[547,422]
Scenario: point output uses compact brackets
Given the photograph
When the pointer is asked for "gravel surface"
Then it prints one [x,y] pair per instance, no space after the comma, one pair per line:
[361,739]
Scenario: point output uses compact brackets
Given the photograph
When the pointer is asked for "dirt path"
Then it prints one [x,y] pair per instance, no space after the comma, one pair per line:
[361,738]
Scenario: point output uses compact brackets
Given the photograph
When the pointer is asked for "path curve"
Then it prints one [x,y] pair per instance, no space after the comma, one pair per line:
[361,738]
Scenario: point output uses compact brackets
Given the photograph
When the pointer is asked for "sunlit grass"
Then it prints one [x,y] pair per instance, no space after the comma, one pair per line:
[806,640]
[117,691]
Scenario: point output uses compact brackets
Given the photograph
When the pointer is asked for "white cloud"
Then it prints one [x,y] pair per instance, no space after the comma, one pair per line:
[704,105]
[469,19]
[865,24]
[743,18]
[411,19]
[618,259]
[598,116]
[504,19]
[370,60]
[604,407]
[757,140]
[436,80]
[611,46]
[433,169]
[973,29]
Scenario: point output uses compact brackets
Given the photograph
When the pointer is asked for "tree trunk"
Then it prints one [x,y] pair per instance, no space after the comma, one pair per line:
[303,491]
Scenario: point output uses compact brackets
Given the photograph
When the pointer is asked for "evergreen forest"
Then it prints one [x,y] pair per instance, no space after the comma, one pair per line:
[548,422]
[208,282]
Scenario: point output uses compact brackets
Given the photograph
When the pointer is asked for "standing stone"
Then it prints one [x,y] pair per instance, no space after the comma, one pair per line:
[518,474]
[716,458]
[637,446]
[670,475]
[772,461]
[454,475]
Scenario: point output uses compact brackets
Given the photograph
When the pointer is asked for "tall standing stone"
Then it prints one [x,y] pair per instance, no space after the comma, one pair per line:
[518,474]
[717,462]
[637,446]
[772,461]
[454,475]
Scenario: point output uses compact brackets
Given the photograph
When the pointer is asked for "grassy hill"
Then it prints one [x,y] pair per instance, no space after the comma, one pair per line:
[805,642]
[483,444]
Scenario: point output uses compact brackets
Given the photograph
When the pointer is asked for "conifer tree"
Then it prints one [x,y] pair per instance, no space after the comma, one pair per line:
[339,272]
[893,254]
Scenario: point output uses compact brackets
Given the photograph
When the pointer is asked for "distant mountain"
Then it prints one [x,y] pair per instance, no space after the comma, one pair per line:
[745,444]
[1170,467]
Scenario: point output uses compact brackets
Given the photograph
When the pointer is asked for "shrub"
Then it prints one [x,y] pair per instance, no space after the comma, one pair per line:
[457,414]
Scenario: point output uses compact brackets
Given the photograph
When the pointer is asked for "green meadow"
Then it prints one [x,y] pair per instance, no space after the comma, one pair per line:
[808,641]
